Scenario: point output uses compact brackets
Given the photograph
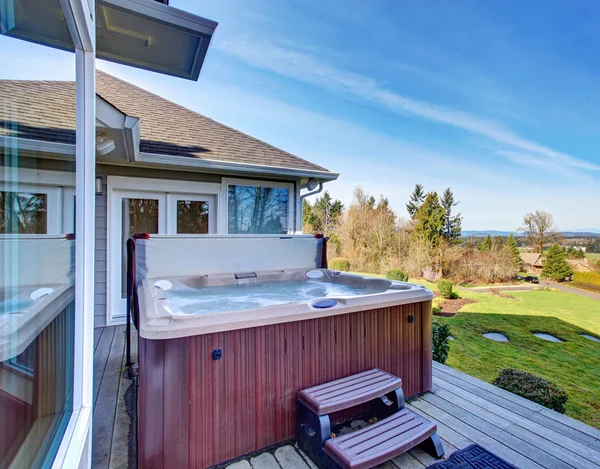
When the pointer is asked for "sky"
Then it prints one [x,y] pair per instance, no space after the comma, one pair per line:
[497,100]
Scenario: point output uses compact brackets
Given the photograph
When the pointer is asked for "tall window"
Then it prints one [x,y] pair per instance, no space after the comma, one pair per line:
[257,209]
[37,300]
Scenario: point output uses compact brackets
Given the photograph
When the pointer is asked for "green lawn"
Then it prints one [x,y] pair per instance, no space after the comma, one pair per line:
[593,256]
[573,365]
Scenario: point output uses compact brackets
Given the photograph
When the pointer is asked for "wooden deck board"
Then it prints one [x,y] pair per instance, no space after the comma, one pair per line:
[105,404]
[466,410]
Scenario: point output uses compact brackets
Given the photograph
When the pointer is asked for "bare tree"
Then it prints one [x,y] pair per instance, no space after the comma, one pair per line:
[539,228]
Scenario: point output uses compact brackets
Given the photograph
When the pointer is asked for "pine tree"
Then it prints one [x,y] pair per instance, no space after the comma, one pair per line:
[511,245]
[452,223]
[556,266]
[486,244]
[429,219]
[416,200]
[498,241]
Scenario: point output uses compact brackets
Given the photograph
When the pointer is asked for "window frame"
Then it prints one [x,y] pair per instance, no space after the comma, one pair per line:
[224,203]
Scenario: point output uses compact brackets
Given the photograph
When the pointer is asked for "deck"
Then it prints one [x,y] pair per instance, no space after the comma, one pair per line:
[467,410]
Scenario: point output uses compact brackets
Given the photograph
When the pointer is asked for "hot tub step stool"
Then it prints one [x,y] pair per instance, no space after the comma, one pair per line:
[398,430]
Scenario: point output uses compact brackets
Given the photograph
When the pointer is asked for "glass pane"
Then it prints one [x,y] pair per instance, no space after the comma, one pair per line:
[22,212]
[257,210]
[37,264]
[192,217]
[139,216]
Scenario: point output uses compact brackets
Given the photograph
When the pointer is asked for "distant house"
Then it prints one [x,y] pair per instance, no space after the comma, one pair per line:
[532,262]
[580,265]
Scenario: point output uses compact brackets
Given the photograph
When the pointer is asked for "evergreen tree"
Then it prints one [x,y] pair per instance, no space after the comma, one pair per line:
[556,266]
[452,223]
[486,245]
[323,214]
[416,200]
[511,245]
[498,241]
[429,219]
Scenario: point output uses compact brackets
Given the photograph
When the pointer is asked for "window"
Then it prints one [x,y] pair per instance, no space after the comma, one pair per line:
[23,213]
[258,209]
[192,217]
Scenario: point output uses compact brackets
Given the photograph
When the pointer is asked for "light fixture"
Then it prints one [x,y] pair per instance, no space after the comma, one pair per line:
[99,184]
[104,144]
[312,184]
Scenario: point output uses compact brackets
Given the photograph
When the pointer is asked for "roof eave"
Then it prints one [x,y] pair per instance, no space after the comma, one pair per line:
[229,166]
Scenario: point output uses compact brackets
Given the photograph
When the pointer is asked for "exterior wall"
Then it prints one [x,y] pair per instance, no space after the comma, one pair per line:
[196,412]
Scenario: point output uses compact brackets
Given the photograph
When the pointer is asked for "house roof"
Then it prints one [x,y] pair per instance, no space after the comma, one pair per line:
[582,264]
[531,258]
[45,110]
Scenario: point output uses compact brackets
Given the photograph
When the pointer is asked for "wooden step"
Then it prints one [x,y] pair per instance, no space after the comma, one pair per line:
[381,442]
[349,392]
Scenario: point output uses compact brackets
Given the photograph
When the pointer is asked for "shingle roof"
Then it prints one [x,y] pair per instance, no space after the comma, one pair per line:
[45,110]
[531,258]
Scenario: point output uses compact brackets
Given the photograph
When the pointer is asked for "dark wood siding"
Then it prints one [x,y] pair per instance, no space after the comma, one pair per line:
[197,412]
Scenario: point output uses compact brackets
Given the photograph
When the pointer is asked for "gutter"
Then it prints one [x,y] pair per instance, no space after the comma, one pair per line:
[217,166]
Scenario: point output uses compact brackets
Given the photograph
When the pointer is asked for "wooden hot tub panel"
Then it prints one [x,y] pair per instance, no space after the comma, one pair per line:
[197,410]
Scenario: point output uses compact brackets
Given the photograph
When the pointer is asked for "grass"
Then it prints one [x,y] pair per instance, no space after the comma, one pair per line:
[592,256]
[572,365]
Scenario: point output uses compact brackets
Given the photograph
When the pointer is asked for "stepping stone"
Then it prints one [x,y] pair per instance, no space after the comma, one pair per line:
[548,337]
[288,458]
[264,461]
[240,465]
[451,338]
[495,336]
[590,337]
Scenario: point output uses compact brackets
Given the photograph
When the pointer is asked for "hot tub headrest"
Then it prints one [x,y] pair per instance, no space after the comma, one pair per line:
[191,255]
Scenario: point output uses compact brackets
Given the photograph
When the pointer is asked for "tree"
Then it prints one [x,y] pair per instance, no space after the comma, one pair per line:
[539,228]
[486,245]
[452,223]
[323,214]
[429,219]
[556,266]
[498,242]
[511,245]
[416,200]
[575,253]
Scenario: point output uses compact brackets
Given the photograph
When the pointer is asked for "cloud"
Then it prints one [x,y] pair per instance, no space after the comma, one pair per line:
[310,69]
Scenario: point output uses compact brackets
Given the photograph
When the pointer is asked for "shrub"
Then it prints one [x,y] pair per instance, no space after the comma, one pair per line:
[590,278]
[454,296]
[441,341]
[339,263]
[397,274]
[445,288]
[532,387]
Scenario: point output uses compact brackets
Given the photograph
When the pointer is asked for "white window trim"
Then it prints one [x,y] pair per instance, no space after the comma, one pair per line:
[224,227]
[166,190]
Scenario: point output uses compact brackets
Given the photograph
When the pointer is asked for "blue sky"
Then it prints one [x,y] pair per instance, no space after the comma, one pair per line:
[498,100]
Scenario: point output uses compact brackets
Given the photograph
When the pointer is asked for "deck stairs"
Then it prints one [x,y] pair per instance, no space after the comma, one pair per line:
[397,430]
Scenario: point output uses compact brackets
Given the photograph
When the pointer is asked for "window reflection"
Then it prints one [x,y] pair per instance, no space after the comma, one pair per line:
[192,217]
[257,210]
[22,212]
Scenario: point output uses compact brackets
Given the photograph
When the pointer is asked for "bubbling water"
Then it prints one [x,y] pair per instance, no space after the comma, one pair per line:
[242,296]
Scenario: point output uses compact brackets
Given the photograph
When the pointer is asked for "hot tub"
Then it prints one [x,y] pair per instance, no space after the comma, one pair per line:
[225,346]
[179,307]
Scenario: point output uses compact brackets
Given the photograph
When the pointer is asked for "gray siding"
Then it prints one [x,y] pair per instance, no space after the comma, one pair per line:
[100,262]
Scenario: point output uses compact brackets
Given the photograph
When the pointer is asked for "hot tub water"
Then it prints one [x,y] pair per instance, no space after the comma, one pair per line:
[241,296]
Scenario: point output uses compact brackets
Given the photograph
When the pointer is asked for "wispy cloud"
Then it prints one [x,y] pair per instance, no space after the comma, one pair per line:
[310,69]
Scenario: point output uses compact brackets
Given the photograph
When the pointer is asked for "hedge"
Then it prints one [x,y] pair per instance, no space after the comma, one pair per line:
[445,288]
[441,341]
[532,387]
[339,263]
[590,278]
[397,274]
